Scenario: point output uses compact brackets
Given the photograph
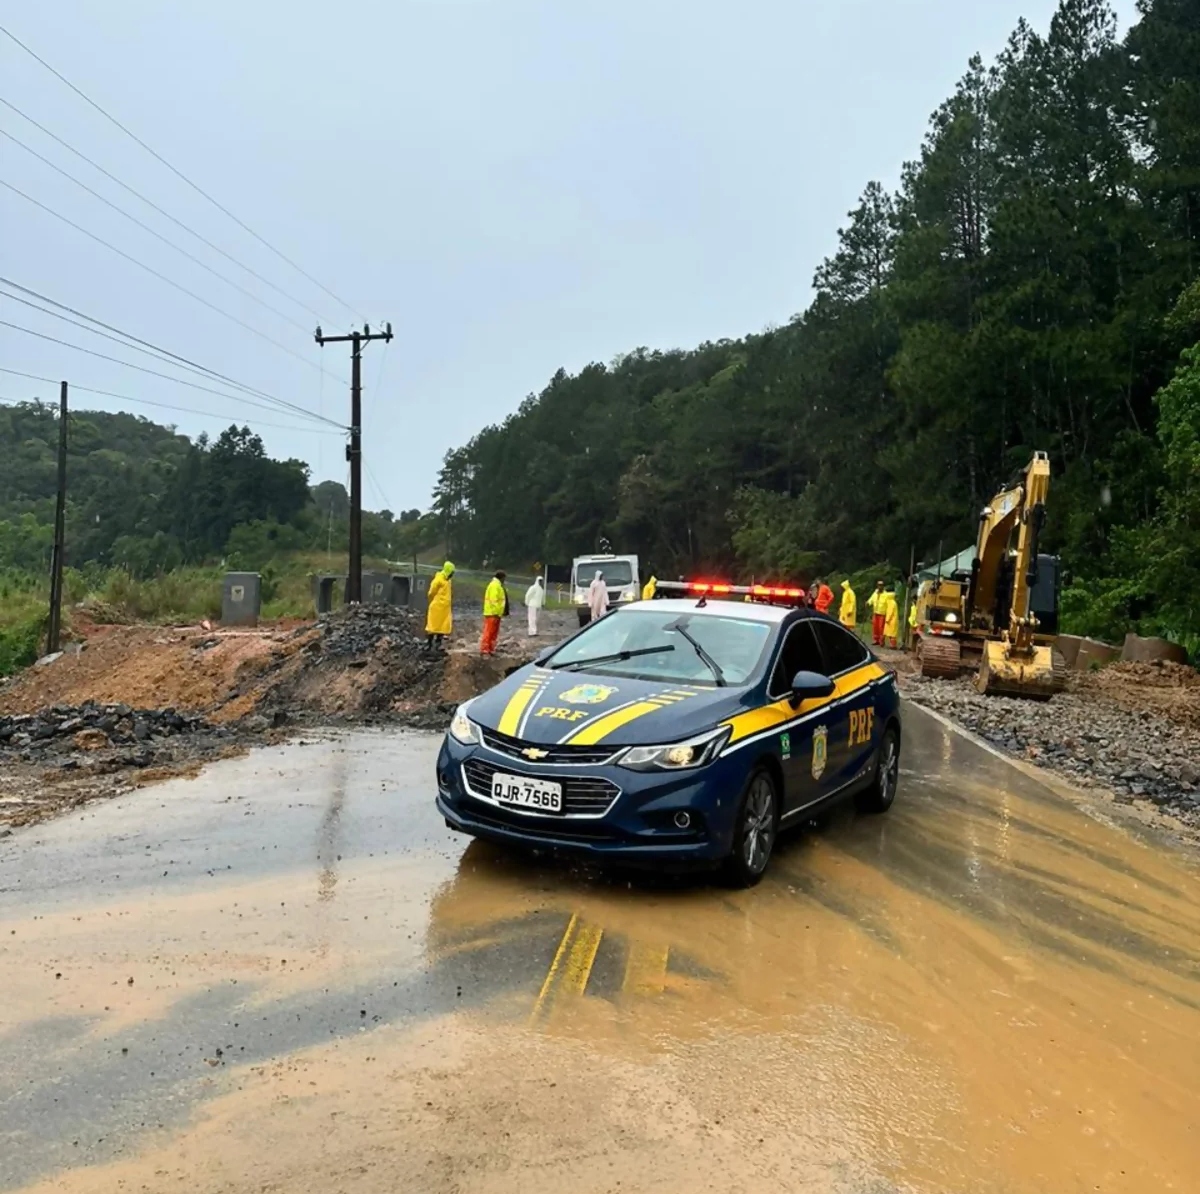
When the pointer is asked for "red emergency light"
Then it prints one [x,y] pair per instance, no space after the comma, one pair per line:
[705,588]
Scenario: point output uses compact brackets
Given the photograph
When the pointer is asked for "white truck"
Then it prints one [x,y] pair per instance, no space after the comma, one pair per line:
[620,578]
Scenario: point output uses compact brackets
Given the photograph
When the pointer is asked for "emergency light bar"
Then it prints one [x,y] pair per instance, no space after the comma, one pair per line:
[767,593]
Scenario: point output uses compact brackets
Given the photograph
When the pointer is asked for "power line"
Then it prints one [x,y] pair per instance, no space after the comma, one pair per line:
[161,405]
[379,372]
[161,210]
[387,505]
[178,173]
[161,276]
[152,350]
[179,381]
[154,232]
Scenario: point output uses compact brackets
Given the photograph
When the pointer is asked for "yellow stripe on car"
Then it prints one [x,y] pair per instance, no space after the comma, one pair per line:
[510,719]
[754,721]
[595,731]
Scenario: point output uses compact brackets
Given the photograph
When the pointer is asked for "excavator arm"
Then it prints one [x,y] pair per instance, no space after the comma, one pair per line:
[1013,663]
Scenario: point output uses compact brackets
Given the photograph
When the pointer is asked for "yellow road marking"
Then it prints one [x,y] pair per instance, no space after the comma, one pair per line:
[646,969]
[578,969]
[548,984]
[571,968]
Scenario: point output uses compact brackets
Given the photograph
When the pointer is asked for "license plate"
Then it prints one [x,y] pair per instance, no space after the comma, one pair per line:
[541,794]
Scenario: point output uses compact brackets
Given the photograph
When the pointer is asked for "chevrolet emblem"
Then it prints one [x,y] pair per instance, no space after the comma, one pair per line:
[532,752]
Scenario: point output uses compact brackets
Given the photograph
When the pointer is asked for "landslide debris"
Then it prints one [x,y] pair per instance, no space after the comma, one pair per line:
[1091,736]
[66,755]
[139,703]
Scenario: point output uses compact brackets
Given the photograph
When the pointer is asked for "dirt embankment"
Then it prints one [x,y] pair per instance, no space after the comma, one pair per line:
[1132,729]
[139,703]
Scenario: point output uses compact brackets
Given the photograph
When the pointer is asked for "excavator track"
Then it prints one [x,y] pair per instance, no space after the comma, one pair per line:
[941,658]
[1059,668]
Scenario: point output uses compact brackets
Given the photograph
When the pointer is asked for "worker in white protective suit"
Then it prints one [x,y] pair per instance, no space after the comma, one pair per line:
[597,597]
[535,598]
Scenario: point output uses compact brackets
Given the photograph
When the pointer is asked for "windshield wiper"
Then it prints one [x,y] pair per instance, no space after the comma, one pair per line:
[709,661]
[618,657]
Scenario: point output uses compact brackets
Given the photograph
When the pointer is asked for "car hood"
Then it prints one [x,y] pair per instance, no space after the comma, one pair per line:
[538,705]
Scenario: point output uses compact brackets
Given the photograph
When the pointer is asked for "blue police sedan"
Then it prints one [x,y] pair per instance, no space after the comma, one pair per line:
[676,731]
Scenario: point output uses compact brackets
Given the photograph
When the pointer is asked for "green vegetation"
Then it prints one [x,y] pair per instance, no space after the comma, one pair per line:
[1033,283]
[1030,285]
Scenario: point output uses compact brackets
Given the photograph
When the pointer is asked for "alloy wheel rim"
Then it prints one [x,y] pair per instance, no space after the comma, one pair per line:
[760,825]
[891,760]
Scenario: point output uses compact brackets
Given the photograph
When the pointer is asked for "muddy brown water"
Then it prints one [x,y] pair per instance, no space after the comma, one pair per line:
[287,975]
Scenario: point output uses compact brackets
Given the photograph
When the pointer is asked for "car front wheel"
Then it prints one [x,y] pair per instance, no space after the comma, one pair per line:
[756,829]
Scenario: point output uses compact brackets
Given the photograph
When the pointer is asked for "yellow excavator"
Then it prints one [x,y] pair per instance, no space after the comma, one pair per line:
[986,623]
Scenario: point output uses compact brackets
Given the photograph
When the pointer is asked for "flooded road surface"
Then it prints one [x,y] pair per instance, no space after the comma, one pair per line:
[287,975]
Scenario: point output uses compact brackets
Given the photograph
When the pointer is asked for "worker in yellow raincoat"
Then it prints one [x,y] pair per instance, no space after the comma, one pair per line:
[439,621]
[891,620]
[848,611]
[649,589]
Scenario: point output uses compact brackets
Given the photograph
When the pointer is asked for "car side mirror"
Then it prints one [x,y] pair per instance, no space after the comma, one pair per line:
[806,686]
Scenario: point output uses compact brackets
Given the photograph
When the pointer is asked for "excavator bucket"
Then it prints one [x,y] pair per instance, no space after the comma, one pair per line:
[1038,674]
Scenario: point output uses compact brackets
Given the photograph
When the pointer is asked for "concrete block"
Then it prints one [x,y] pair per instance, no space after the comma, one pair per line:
[241,599]
[401,590]
[1068,647]
[325,589]
[1145,650]
[1093,651]
[376,588]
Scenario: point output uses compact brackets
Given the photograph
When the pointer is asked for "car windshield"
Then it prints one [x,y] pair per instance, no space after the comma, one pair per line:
[736,645]
[617,574]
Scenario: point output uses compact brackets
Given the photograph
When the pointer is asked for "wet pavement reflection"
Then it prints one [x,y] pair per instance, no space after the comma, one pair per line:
[287,974]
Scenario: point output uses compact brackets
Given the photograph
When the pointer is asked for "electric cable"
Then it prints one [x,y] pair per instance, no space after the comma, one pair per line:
[174,170]
[154,232]
[179,381]
[153,350]
[162,211]
[161,276]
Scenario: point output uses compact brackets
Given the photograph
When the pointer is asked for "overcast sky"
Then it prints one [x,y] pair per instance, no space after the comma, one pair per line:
[516,185]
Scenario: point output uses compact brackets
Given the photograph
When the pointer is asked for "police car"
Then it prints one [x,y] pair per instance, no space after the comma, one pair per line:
[684,730]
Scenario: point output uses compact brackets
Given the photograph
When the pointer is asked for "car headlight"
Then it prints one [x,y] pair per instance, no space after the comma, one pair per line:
[462,728]
[677,756]
[952,618]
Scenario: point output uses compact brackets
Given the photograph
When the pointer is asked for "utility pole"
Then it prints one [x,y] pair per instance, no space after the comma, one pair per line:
[54,631]
[354,448]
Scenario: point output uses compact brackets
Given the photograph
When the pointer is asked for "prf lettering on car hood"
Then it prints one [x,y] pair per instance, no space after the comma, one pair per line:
[561,714]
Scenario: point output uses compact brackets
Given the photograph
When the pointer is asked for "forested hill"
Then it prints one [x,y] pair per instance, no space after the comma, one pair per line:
[146,499]
[1031,284]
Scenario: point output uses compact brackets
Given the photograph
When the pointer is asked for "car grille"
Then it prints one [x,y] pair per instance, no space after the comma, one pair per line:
[583,795]
[555,754]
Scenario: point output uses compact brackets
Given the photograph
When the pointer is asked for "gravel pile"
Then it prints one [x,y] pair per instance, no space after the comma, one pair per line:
[135,735]
[1090,740]
[360,630]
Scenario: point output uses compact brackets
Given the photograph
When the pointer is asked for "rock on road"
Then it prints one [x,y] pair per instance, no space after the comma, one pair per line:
[288,975]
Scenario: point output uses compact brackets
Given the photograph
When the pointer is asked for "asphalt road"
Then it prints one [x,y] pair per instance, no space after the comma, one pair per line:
[287,975]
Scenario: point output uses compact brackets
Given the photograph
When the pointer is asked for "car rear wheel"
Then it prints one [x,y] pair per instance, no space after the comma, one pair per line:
[879,796]
[755,831]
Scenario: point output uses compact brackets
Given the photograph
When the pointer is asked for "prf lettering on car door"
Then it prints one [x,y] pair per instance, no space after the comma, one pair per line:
[862,725]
